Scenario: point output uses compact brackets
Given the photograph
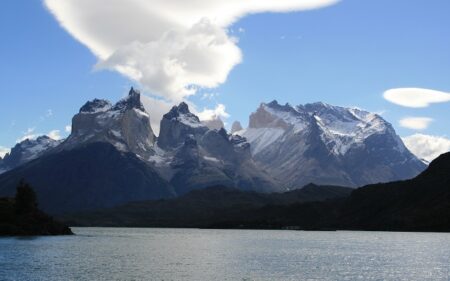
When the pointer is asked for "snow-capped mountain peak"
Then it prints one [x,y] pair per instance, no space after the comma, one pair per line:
[28,150]
[313,136]
[132,101]
[126,125]
[343,127]
[178,123]
[95,106]
[274,115]
[182,114]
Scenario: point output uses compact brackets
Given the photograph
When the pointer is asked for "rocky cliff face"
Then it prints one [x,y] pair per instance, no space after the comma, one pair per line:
[177,125]
[126,125]
[327,144]
[192,156]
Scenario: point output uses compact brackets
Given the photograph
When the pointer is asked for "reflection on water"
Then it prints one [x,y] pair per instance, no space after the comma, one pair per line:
[192,254]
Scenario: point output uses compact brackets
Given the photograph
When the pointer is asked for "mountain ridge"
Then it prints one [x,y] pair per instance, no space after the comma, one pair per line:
[327,143]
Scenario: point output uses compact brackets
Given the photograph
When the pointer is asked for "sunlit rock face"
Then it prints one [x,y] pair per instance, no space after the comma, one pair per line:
[126,125]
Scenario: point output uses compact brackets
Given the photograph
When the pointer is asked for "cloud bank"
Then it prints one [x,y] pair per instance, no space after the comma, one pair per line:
[416,123]
[427,147]
[31,134]
[171,47]
[54,134]
[415,97]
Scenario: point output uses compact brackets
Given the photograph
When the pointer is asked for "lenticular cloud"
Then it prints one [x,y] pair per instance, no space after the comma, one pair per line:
[171,47]
[415,97]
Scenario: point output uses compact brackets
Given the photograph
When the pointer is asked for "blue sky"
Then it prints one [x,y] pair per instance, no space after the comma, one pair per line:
[346,54]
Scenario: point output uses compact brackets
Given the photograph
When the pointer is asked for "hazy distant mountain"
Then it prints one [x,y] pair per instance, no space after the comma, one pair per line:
[327,144]
[215,123]
[236,127]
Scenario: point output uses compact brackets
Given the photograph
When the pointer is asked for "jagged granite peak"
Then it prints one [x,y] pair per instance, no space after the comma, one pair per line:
[133,100]
[181,112]
[126,125]
[28,150]
[177,124]
[192,156]
[95,106]
[327,144]
[236,127]
[277,106]
[217,157]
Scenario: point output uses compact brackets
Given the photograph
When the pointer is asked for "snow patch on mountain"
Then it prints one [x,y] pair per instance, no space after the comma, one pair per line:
[212,159]
[261,138]
[288,114]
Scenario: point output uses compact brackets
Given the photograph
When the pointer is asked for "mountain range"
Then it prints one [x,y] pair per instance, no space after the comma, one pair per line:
[112,155]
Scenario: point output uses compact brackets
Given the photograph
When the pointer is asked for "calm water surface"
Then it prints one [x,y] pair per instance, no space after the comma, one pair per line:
[192,254]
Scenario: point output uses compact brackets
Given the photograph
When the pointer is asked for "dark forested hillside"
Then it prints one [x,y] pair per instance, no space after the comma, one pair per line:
[93,176]
[201,208]
[419,204]
[21,216]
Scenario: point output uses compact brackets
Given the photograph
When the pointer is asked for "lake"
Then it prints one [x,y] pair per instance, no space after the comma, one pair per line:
[194,254]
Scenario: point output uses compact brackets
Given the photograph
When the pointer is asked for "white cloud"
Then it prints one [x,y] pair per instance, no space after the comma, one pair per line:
[28,134]
[415,97]
[68,129]
[3,151]
[416,123]
[156,108]
[170,47]
[27,137]
[211,114]
[427,147]
[31,134]
[54,134]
